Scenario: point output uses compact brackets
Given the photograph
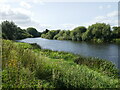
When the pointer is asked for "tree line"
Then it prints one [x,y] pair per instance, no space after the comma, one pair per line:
[12,32]
[99,32]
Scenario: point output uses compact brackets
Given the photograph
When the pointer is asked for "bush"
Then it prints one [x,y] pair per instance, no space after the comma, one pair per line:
[102,66]
[26,66]
[67,75]
[18,66]
[116,40]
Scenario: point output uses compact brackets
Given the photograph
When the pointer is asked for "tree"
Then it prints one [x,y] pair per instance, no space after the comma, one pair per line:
[12,32]
[76,33]
[99,31]
[116,32]
[80,29]
[66,35]
[33,32]
[87,36]
[59,36]
[46,31]
[9,30]
[22,33]
[50,34]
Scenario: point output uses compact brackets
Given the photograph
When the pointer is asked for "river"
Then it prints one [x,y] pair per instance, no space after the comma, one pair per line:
[103,51]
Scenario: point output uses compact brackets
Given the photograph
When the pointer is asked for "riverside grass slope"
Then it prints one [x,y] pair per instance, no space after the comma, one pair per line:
[28,66]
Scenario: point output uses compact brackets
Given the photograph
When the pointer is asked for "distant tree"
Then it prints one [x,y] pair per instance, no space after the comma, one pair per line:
[116,32]
[60,35]
[12,32]
[9,30]
[76,33]
[80,29]
[46,31]
[43,35]
[66,35]
[87,36]
[52,33]
[22,33]
[99,31]
[40,33]
[33,32]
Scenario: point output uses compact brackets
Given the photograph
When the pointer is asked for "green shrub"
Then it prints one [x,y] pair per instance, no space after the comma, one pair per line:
[26,66]
[66,75]
[116,40]
[103,66]
[19,66]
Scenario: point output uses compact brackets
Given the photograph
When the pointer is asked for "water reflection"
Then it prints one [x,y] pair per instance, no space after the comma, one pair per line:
[104,51]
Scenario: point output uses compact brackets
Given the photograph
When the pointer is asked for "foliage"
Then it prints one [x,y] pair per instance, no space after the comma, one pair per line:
[50,34]
[12,32]
[28,66]
[46,31]
[116,41]
[99,32]
[76,33]
[67,74]
[116,32]
[103,66]
[32,31]
[19,66]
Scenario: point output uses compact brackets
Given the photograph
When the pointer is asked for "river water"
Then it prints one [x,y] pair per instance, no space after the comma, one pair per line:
[103,51]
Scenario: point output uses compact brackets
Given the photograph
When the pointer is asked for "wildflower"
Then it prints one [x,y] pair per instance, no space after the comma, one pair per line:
[12,63]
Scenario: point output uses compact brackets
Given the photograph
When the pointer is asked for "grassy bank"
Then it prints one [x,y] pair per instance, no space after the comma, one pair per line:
[29,66]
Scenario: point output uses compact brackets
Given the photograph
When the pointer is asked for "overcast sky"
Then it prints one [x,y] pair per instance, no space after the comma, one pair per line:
[58,15]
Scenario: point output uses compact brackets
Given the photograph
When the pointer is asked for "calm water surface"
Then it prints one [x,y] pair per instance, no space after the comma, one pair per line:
[104,51]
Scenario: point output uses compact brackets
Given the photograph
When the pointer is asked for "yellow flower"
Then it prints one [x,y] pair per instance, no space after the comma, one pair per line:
[12,63]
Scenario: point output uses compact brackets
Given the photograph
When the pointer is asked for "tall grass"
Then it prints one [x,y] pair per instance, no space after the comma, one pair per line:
[71,75]
[103,66]
[28,66]
[19,66]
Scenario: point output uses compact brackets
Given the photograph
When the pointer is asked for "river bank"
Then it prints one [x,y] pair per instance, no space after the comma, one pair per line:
[104,51]
[44,68]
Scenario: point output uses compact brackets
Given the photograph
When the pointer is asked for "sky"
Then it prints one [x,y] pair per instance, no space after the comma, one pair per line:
[55,15]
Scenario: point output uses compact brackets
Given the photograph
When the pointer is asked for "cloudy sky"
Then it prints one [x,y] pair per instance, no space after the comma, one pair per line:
[42,14]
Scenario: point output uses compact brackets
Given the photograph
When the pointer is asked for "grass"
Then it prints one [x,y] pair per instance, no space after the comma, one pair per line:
[28,66]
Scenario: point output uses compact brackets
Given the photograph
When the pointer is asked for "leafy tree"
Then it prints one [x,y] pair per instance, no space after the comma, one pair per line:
[73,35]
[80,29]
[46,31]
[76,33]
[59,36]
[40,33]
[116,32]
[12,32]
[66,35]
[22,33]
[33,32]
[43,35]
[50,34]
[87,36]
[9,30]
[99,31]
